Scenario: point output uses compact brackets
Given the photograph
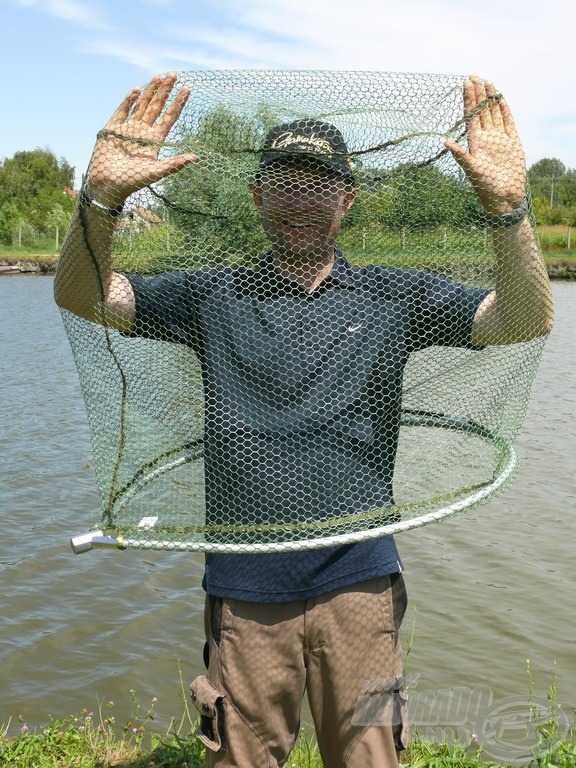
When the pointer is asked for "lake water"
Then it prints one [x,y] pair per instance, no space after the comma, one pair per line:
[488,590]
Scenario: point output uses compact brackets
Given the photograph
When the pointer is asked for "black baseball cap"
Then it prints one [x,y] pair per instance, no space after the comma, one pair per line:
[313,139]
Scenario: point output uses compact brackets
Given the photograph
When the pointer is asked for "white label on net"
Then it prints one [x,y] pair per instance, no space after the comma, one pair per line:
[148,522]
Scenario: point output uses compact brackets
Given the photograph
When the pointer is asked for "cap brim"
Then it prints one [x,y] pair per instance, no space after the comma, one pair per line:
[334,165]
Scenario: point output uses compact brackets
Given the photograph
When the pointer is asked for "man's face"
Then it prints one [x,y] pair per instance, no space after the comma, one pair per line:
[302,206]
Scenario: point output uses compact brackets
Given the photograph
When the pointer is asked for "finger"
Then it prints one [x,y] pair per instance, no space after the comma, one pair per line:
[456,149]
[159,98]
[123,110]
[171,165]
[471,118]
[484,116]
[507,119]
[145,97]
[148,95]
[462,157]
[174,110]
[469,100]
[495,111]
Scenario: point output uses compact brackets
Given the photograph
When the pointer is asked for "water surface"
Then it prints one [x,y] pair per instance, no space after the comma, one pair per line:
[488,590]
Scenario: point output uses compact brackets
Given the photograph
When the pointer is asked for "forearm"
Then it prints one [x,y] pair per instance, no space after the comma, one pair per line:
[125,159]
[85,282]
[521,306]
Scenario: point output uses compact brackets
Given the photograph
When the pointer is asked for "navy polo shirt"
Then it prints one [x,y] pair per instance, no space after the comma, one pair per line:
[303,396]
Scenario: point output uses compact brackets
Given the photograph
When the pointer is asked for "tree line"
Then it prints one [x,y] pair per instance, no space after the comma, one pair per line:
[211,205]
[36,196]
[553,189]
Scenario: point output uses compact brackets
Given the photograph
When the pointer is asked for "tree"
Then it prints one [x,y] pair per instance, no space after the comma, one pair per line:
[34,182]
[58,221]
[417,198]
[10,216]
[550,180]
[549,166]
[553,188]
[212,199]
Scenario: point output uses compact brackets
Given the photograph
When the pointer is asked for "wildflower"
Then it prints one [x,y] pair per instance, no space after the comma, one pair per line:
[24,729]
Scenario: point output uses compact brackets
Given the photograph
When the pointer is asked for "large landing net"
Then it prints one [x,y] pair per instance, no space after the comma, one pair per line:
[266,396]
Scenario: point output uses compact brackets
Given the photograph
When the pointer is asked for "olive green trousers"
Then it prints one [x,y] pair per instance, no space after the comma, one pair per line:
[263,657]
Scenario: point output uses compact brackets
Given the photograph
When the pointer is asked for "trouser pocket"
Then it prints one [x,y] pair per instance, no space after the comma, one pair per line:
[400,723]
[208,700]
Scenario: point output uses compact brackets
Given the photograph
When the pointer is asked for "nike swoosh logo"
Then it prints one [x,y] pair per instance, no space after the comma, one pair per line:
[353,328]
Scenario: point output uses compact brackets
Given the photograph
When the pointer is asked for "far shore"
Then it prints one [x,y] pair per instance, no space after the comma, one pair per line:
[42,264]
[558,268]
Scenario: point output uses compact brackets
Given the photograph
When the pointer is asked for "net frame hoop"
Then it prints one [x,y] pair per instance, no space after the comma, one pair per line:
[508,462]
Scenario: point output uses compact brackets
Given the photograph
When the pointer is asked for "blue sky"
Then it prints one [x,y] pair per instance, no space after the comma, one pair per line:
[67,63]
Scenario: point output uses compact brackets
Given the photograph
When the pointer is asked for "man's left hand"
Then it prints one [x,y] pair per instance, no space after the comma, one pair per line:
[494,161]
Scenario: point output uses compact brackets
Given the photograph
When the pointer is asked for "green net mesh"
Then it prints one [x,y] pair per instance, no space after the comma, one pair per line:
[287,337]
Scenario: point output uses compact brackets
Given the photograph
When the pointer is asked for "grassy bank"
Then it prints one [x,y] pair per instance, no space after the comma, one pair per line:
[96,740]
[80,742]
[40,258]
[419,249]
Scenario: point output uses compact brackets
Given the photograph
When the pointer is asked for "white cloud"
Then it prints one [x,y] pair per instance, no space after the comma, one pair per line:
[154,58]
[82,13]
[138,54]
[243,47]
[517,44]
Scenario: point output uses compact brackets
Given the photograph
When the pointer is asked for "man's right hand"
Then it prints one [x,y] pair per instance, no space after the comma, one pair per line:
[125,157]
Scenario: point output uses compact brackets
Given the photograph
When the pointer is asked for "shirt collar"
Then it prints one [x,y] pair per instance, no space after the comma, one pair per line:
[342,272]
[273,282]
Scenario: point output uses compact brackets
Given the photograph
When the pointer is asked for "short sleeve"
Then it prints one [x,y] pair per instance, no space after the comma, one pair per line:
[442,312]
[166,307]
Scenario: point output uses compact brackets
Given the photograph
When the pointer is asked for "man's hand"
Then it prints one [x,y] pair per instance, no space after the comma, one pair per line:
[124,160]
[494,162]
[520,307]
[125,157]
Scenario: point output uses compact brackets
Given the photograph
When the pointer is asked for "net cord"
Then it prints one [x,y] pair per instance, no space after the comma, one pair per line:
[508,464]
[452,131]
[106,513]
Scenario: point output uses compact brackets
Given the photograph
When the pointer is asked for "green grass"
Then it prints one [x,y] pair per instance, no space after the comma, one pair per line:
[83,742]
[560,257]
[43,249]
[432,249]
[95,740]
[555,237]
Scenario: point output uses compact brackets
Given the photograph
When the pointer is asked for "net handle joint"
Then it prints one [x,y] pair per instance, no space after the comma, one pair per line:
[84,542]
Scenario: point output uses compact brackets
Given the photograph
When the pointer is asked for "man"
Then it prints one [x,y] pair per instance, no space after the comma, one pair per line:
[292,352]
